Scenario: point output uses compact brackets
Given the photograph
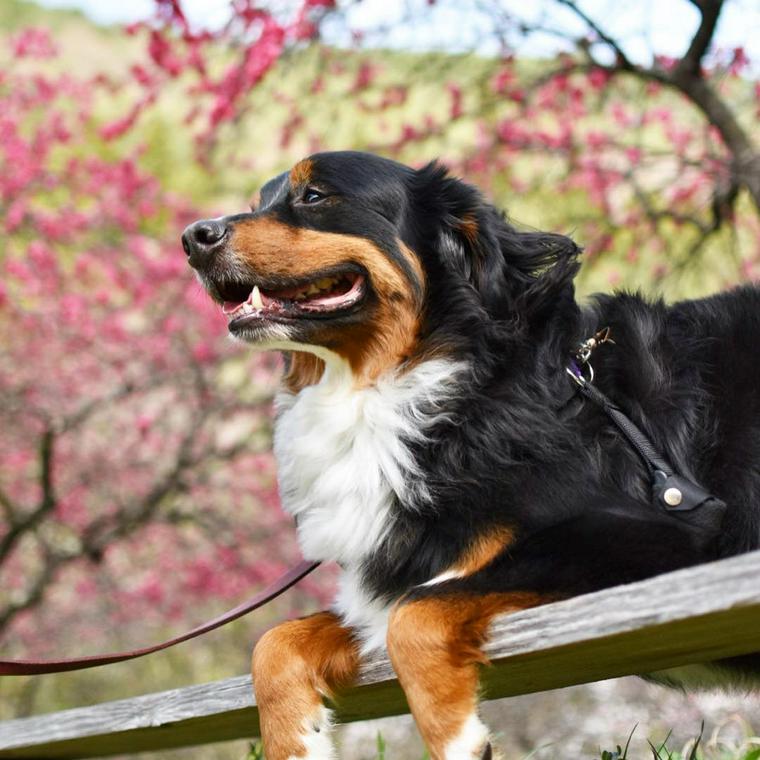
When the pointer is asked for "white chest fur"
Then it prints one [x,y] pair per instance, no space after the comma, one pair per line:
[343,460]
[342,455]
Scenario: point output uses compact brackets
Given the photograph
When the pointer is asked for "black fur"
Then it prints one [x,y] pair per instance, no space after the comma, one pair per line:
[512,452]
[572,488]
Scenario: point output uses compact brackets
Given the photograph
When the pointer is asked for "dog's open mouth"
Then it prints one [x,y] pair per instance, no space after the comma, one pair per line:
[320,297]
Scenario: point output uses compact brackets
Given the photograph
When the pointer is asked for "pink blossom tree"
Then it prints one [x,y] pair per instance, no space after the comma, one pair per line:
[134,471]
[656,161]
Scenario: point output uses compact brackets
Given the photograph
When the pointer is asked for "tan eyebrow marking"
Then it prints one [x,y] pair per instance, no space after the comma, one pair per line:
[301,173]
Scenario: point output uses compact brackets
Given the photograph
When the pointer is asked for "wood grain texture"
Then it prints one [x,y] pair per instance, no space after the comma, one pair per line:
[689,616]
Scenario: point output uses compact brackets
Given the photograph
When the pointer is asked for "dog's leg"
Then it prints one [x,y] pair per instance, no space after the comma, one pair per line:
[434,643]
[295,666]
[436,632]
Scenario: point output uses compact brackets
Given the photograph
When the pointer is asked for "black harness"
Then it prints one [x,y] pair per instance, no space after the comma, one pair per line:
[675,494]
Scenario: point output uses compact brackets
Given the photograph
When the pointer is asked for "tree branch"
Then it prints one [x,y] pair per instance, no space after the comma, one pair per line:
[722,207]
[686,77]
[75,419]
[623,62]
[46,469]
[9,508]
[36,592]
[100,533]
[19,528]
[691,63]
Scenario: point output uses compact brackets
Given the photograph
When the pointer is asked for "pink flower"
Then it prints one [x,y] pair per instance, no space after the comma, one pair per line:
[15,214]
[33,42]
[598,78]
[596,139]
[455,109]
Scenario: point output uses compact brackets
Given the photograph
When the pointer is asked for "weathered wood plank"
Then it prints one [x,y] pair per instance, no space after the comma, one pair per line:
[684,617]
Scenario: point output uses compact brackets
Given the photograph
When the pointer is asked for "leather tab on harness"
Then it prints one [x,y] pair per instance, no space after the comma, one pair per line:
[678,495]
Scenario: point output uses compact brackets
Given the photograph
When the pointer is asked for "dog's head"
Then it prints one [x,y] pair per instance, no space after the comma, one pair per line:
[354,255]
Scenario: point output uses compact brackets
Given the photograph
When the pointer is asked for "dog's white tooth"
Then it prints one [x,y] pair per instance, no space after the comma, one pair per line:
[256,298]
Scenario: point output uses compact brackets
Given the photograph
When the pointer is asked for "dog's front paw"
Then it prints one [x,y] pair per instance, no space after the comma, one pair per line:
[472,742]
[316,738]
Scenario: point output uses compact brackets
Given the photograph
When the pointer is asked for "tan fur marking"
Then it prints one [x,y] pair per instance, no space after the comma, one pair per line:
[371,348]
[435,646]
[301,173]
[468,226]
[294,666]
[305,369]
[389,343]
[414,262]
[483,550]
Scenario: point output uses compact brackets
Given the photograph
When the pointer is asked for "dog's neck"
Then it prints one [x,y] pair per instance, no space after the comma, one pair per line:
[344,458]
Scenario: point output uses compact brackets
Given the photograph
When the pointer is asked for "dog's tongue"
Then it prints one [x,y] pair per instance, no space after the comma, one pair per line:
[322,295]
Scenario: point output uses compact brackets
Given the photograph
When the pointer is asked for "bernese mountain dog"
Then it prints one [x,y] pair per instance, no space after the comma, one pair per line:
[430,441]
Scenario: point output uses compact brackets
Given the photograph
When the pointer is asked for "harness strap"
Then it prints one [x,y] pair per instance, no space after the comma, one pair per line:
[275,589]
[635,436]
[671,491]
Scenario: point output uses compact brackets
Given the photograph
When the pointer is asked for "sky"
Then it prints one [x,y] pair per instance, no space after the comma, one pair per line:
[644,25]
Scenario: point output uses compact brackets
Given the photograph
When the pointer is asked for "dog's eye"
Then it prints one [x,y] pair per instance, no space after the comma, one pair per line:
[310,196]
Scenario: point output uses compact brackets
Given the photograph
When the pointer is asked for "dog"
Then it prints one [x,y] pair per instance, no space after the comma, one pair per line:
[430,441]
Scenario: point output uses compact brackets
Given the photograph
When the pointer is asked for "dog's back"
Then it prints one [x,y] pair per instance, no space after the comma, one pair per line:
[690,373]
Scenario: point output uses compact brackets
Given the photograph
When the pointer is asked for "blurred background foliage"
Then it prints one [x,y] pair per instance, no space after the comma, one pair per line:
[137,492]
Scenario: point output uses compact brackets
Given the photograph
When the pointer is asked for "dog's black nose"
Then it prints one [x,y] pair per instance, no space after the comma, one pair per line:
[202,239]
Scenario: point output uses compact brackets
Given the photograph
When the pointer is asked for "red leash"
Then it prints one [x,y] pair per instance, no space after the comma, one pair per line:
[277,587]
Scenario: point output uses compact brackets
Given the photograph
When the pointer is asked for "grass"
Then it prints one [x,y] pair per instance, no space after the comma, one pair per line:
[716,748]
[696,749]
[256,751]
[17,14]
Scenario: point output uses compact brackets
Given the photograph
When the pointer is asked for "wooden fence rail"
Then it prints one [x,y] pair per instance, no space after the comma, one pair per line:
[676,619]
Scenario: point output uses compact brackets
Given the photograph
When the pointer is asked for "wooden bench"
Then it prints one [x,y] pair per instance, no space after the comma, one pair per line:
[684,617]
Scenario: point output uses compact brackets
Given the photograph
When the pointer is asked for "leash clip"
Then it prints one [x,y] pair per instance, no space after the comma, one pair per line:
[583,354]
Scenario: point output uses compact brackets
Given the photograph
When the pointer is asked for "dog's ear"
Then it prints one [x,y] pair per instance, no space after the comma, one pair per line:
[512,271]
[541,268]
